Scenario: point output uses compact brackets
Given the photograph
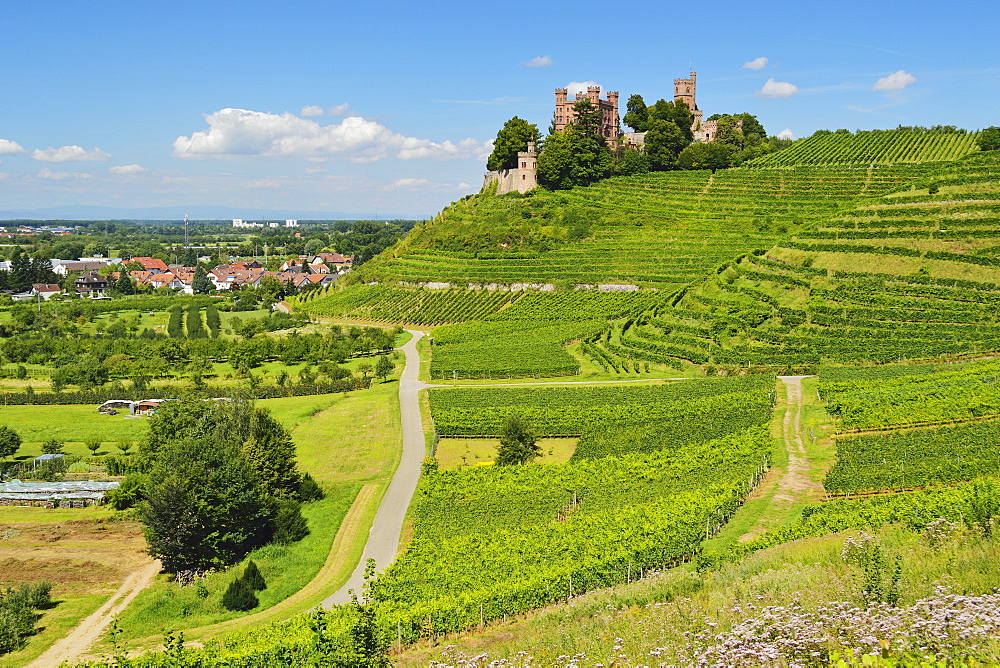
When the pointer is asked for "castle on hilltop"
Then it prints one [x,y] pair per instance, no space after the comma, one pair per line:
[524,177]
[565,114]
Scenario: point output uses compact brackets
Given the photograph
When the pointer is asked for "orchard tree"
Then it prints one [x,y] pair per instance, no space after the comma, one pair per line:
[512,138]
[384,367]
[518,442]
[10,441]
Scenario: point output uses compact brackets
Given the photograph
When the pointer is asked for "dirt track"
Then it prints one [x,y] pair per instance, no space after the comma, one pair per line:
[90,629]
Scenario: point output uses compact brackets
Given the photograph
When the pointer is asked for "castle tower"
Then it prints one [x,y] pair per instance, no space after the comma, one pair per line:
[526,174]
[685,90]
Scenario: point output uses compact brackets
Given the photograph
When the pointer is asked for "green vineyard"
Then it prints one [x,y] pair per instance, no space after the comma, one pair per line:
[873,147]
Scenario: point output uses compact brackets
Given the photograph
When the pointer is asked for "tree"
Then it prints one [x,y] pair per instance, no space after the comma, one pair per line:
[384,367]
[239,596]
[633,162]
[204,507]
[175,325]
[93,446]
[201,284]
[314,246]
[124,285]
[989,139]
[636,114]
[212,320]
[676,112]
[555,163]
[512,138]
[663,144]
[52,446]
[518,442]
[193,323]
[252,577]
[578,156]
[706,156]
[10,441]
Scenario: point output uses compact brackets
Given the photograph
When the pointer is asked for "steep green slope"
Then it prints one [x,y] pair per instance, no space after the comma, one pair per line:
[912,276]
[665,228]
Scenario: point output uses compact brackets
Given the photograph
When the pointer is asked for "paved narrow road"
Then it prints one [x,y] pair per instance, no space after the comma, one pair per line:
[383,539]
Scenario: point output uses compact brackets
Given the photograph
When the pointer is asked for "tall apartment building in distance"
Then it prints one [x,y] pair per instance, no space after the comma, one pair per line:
[610,126]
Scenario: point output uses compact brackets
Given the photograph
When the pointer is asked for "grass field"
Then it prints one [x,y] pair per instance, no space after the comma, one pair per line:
[457,453]
[344,442]
[83,552]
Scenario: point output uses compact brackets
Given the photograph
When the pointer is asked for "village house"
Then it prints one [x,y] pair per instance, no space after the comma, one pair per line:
[92,285]
[66,268]
[45,290]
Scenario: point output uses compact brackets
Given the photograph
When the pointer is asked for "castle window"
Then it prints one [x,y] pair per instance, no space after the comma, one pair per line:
[523,165]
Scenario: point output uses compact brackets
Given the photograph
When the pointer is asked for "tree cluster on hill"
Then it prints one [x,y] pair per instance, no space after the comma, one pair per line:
[989,139]
[512,138]
[580,155]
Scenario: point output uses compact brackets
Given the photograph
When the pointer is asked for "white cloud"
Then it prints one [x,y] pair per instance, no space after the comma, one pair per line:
[410,183]
[755,64]
[127,169]
[774,89]
[46,173]
[339,110]
[895,81]
[69,154]
[311,110]
[539,61]
[9,147]
[579,87]
[786,134]
[463,186]
[263,183]
[239,132]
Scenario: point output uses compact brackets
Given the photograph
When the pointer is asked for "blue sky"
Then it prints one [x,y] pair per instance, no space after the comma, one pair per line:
[389,106]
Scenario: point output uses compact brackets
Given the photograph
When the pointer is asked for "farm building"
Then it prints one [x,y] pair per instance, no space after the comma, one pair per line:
[66,494]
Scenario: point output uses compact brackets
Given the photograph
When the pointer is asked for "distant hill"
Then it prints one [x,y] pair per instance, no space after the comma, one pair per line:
[196,212]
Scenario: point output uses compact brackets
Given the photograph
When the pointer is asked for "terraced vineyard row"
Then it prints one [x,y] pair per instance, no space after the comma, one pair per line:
[915,458]
[931,291]
[409,306]
[657,228]
[495,541]
[703,405]
[873,147]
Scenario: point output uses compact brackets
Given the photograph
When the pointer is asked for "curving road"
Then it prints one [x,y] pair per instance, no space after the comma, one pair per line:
[383,539]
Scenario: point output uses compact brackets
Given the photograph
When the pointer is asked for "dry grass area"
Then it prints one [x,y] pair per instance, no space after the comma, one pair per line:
[457,453]
[84,554]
